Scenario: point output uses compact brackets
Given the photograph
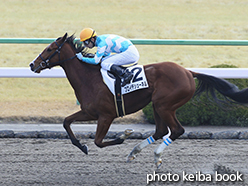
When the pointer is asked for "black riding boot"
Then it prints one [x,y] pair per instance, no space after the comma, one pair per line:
[122,73]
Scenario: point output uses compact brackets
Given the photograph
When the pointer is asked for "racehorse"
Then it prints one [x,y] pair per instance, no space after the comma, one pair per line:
[170,87]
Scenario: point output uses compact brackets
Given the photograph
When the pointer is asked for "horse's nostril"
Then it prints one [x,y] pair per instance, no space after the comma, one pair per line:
[31,65]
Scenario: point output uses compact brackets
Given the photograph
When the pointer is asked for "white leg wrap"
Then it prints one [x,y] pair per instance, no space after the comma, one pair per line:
[146,142]
[139,147]
[143,144]
[164,144]
[158,151]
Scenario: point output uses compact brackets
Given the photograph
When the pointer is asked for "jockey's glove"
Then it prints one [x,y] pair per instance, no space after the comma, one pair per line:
[79,56]
[90,55]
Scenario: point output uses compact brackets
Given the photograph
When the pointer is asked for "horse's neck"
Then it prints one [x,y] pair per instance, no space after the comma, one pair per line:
[79,74]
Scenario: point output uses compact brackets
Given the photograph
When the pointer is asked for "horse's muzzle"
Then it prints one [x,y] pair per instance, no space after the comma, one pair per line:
[32,67]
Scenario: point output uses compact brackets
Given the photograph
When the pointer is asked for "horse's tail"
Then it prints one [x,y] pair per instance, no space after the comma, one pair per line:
[228,90]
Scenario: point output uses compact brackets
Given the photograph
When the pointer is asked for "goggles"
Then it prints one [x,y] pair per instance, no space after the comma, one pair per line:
[87,42]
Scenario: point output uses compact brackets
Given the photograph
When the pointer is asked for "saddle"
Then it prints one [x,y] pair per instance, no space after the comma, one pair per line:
[113,82]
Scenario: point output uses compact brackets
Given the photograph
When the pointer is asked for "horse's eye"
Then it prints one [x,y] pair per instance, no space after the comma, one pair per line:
[49,50]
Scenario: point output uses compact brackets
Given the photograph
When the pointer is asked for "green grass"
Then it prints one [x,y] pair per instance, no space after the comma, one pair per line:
[159,19]
[142,19]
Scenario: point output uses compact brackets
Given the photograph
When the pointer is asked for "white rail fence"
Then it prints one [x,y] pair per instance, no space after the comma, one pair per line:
[23,72]
[6,72]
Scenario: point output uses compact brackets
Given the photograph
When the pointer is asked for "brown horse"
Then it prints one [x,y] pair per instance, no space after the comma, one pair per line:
[170,87]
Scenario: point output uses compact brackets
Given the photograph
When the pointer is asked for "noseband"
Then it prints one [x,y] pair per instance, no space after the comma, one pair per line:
[46,62]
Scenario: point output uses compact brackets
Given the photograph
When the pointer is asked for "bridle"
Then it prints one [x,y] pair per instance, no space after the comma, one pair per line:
[46,62]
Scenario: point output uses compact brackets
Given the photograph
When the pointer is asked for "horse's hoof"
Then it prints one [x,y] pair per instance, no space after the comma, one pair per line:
[85,149]
[158,163]
[130,158]
[128,132]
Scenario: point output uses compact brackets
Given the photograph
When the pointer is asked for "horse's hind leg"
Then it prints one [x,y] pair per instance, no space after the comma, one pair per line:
[169,129]
[161,129]
[138,148]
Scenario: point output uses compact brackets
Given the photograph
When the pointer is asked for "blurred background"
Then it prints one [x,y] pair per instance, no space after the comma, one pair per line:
[136,19]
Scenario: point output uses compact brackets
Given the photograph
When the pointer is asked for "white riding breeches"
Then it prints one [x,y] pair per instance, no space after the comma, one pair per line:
[131,55]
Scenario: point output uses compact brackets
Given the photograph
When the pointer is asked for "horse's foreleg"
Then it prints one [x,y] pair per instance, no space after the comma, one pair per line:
[102,129]
[78,116]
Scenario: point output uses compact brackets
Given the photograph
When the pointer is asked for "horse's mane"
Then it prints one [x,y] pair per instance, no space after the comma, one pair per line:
[76,44]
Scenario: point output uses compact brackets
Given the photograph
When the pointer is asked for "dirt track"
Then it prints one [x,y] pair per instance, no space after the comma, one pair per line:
[58,162]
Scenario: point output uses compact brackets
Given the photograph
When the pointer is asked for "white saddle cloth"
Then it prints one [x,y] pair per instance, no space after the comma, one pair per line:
[139,80]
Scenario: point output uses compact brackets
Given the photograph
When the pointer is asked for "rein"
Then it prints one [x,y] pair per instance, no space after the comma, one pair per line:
[46,62]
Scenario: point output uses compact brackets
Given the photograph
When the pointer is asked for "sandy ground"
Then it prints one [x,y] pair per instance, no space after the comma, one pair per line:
[58,162]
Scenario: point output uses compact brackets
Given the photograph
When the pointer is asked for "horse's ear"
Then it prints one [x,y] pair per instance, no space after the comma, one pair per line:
[64,37]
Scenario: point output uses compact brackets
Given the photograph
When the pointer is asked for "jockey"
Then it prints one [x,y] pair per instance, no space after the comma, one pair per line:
[125,53]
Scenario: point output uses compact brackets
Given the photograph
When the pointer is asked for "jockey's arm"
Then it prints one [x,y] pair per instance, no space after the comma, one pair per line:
[96,60]
[92,61]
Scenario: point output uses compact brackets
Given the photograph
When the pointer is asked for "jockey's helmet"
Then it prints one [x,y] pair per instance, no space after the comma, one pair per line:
[87,33]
